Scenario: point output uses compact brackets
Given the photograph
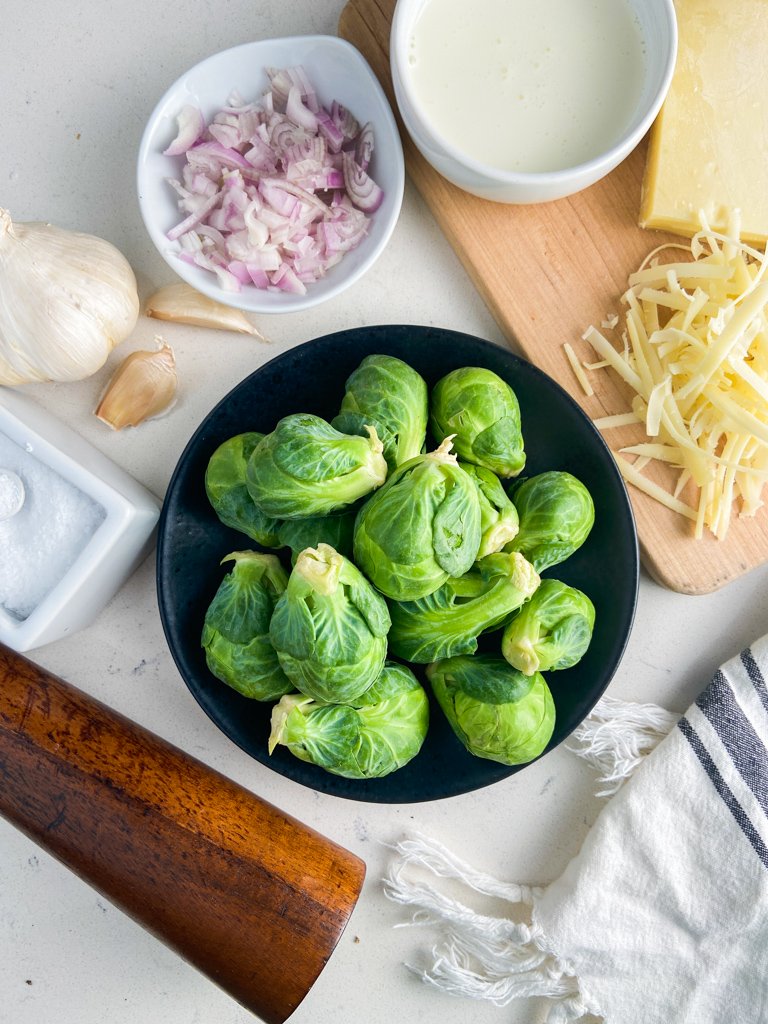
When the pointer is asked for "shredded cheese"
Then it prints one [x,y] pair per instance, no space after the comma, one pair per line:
[581,377]
[696,356]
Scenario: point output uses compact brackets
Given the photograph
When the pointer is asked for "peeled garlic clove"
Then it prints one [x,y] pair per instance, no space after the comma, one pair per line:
[143,386]
[186,305]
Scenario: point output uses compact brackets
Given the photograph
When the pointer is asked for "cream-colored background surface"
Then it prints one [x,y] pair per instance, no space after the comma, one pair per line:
[78,82]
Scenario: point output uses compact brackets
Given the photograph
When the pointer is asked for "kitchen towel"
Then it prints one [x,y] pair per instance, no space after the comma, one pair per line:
[663,915]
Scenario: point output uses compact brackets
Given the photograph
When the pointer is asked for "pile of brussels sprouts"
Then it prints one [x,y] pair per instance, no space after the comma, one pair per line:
[399,556]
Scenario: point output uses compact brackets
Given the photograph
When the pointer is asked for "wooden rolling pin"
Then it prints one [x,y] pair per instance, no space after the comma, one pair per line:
[250,896]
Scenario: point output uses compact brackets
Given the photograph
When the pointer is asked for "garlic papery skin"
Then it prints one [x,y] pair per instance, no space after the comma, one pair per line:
[142,387]
[186,305]
[66,300]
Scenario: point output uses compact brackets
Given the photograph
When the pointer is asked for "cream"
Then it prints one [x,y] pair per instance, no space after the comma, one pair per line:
[528,85]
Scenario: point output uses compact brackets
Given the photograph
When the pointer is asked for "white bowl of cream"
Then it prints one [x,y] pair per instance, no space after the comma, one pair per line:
[524,101]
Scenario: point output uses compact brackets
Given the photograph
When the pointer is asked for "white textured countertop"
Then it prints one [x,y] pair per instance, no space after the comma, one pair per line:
[78,82]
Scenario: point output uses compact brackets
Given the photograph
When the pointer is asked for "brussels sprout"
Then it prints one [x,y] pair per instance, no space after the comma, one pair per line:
[391,396]
[420,528]
[227,493]
[305,467]
[482,411]
[236,628]
[330,627]
[551,631]
[496,711]
[449,621]
[499,522]
[556,514]
[375,735]
[335,529]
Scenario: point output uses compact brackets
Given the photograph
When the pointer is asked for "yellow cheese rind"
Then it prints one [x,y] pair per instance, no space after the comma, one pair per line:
[708,148]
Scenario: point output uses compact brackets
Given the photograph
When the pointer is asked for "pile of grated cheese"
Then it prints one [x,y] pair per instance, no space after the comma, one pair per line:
[695,352]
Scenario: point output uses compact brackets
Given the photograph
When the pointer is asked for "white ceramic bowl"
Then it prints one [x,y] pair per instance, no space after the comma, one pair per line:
[659,31]
[338,72]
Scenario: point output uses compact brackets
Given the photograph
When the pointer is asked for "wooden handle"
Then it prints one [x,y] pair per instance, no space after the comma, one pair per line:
[250,896]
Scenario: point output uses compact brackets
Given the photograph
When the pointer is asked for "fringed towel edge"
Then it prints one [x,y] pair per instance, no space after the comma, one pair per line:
[495,958]
[477,955]
[617,736]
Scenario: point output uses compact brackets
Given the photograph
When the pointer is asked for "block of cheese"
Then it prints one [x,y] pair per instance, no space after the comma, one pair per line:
[709,145]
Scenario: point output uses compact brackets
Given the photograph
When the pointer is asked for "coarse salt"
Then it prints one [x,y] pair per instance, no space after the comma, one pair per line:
[11,494]
[43,540]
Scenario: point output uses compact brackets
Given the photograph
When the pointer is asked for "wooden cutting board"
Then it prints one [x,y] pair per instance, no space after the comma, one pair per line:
[549,271]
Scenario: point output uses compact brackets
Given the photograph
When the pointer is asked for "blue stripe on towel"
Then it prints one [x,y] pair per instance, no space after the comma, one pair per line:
[744,746]
[724,791]
[756,676]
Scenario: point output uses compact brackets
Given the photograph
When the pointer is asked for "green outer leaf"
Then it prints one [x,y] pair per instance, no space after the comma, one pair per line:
[367,741]
[336,530]
[510,732]
[425,518]
[389,394]
[250,668]
[556,516]
[456,532]
[307,468]
[448,621]
[235,631]
[228,494]
[499,522]
[243,603]
[552,631]
[394,679]
[483,412]
[329,628]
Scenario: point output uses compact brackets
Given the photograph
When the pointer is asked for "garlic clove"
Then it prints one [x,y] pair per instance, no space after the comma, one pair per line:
[142,387]
[185,305]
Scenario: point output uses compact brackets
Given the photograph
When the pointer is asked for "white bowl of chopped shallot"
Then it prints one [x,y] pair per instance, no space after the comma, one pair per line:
[270,175]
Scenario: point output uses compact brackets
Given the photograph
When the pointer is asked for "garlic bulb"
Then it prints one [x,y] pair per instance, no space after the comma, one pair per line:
[142,387]
[186,305]
[66,299]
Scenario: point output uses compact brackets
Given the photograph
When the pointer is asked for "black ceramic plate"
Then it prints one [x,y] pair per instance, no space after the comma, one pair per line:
[310,378]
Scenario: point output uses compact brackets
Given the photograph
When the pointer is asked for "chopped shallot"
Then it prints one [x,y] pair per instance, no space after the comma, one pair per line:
[273,193]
